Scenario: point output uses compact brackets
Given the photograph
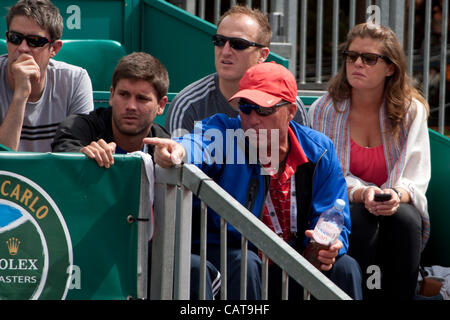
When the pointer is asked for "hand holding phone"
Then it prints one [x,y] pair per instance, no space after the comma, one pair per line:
[380,197]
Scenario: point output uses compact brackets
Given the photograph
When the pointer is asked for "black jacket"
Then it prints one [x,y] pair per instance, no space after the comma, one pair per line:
[77,131]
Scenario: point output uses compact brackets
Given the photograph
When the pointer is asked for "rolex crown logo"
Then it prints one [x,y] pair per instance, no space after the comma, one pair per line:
[13,245]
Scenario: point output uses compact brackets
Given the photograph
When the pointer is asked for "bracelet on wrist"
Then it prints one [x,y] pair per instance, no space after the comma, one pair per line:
[399,193]
[351,194]
[363,192]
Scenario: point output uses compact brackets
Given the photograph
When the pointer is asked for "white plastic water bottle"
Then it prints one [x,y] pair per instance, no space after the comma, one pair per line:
[326,231]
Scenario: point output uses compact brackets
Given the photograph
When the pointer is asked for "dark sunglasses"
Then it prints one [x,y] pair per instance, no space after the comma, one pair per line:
[235,43]
[369,59]
[246,107]
[16,38]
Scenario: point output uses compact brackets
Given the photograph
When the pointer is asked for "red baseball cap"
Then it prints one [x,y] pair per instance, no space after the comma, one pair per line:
[266,84]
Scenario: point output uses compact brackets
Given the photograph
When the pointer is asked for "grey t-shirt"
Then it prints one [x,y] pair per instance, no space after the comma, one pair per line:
[68,90]
[202,99]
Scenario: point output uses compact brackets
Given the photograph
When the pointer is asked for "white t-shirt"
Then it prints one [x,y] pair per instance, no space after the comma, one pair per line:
[68,90]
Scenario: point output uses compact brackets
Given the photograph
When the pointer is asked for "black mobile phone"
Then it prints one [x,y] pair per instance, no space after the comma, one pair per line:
[380,197]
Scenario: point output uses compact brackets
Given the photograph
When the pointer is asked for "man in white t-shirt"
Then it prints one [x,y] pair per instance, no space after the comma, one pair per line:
[37,92]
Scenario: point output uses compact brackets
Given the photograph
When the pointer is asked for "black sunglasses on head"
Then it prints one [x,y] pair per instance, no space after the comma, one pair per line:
[33,41]
[235,43]
[246,107]
[367,58]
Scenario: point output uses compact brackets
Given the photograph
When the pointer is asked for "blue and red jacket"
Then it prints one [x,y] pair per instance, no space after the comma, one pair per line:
[218,149]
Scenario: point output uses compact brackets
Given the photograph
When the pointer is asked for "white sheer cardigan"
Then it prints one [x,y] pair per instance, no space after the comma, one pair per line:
[407,162]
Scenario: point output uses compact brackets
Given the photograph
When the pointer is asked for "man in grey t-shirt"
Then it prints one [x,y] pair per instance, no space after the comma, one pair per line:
[242,40]
[36,92]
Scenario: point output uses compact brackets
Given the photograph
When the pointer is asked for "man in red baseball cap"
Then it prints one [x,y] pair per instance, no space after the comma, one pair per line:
[267,84]
[265,88]
[305,178]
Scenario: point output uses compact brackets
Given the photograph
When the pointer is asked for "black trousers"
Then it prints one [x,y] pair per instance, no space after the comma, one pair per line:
[388,250]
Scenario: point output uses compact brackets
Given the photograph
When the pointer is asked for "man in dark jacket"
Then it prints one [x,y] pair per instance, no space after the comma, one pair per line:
[137,95]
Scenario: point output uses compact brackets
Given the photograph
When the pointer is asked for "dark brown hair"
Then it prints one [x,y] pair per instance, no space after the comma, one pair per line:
[143,66]
[43,12]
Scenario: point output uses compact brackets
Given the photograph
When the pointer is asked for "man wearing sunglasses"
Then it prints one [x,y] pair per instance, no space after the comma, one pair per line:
[242,40]
[37,92]
[298,171]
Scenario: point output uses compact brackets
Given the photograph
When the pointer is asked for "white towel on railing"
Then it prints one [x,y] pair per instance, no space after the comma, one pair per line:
[149,170]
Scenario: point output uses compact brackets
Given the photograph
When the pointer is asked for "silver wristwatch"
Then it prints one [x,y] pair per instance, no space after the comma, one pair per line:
[399,193]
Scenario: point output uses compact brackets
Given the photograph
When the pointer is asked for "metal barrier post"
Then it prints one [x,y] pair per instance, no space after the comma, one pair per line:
[443,77]
[183,244]
[162,261]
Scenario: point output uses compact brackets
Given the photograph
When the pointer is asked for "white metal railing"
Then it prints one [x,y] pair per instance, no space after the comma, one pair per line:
[313,72]
[171,244]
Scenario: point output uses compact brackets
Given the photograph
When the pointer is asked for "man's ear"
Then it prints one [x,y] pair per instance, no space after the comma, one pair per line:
[263,54]
[55,47]
[161,105]
[111,94]
[292,108]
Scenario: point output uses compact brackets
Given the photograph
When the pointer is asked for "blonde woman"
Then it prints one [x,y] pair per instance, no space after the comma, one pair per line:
[378,123]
